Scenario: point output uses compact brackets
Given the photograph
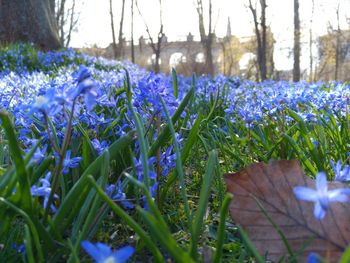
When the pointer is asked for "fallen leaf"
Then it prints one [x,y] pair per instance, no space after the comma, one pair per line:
[272,185]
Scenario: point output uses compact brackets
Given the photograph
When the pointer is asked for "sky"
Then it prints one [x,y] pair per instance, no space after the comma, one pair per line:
[180,18]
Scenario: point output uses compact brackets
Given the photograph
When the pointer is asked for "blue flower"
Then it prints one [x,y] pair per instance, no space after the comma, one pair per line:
[85,86]
[139,168]
[39,155]
[313,258]
[20,249]
[70,163]
[44,190]
[102,253]
[321,196]
[341,175]
[167,161]
[81,74]
[99,146]
[115,192]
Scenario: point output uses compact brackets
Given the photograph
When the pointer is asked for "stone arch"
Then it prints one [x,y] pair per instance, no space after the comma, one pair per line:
[200,57]
[176,58]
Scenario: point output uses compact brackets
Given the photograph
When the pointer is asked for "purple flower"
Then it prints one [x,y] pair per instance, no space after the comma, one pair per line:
[321,196]
[70,163]
[102,253]
[313,258]
[45,104]
[168,161]
[39,155]
[85,86]
[20,249]
[341,175]
[44,190]
[116,194]
[81,74]
[139,168]
[99,146]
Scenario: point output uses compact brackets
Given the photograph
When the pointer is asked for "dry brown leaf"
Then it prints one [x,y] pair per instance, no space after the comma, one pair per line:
[272,185]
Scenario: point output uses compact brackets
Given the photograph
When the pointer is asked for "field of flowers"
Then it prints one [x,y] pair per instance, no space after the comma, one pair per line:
[101,160]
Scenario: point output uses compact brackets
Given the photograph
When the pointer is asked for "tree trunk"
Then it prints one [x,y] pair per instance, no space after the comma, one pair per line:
[114,44]
[132,33]
[29,21]
[296,67]
[337,46]
[120,37]
[311,43]
[156,47]
[261,38]
[206,39]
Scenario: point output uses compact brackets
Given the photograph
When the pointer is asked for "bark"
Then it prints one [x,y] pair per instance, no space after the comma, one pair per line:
[296,66]
[311,70]
[60,18]
[206,39]
[120,37]
[260,29]
[29,21]
[337,46]
[66,19]
[73,21]
[132,33]
[263,40]
[114,44]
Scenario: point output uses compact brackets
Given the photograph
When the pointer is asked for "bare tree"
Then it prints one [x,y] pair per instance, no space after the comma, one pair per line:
[296,65]
[67,19]
[114,43]
[120,37]
[206,38]
[156,46]
[311,70]
[260,28]
[337,44]
[132,33]
[333,50]
[29,21]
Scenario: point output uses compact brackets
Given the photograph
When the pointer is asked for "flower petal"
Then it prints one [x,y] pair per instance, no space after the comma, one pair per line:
[104,250]
[339,195]
[319,212]
[321,181]
[313,258]
[305,193]
[91,249]
[123,254]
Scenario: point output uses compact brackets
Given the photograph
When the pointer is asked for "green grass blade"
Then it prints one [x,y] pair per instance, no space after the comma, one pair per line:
[175,83]
[278,229]
[165,238]
[128,220]
[28,245]
[191,141]
[89,210]
[179,168]
[31,226]
[16,154]
[165,133]
[81,188]
[250,246]
[203,201]
[140,135]
[221,229]
[346,256]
